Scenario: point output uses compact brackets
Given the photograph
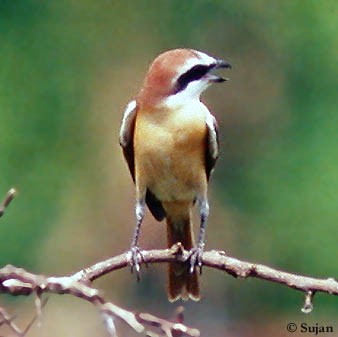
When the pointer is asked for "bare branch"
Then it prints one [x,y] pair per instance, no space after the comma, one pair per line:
[308,306]
[17,281]
[35,317]
[8,199]
[217,260]
[166,327]
[110,324]
[5,318]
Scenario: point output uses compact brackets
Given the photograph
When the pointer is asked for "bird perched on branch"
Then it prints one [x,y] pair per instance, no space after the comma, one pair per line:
[170,142]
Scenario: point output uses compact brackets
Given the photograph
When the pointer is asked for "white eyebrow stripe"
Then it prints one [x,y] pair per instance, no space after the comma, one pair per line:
[206,58]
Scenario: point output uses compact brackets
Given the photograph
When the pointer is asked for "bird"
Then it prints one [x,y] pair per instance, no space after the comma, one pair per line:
[170,142]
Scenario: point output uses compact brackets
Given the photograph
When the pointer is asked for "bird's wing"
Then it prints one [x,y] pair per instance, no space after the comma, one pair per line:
[212,144]
[127,136]
[127,143]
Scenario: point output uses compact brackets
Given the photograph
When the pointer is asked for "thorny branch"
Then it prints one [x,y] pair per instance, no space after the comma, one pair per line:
[17,281]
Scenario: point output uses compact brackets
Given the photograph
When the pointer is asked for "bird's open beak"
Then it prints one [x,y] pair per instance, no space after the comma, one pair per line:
[216,78]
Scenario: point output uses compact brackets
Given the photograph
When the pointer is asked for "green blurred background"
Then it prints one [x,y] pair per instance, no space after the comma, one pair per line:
[67,70]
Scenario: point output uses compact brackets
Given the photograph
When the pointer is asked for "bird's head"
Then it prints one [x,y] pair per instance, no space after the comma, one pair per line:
[179,75]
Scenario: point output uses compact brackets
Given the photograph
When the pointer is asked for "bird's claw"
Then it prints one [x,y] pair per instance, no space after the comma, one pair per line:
[135,260]
[196,259]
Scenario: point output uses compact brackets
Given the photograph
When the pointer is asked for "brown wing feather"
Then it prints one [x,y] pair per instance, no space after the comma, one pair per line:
[212,145]
[127,143]
[127,136]
[128,153]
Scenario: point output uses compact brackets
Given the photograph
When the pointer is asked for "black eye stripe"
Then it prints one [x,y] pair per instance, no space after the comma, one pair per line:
[193,74]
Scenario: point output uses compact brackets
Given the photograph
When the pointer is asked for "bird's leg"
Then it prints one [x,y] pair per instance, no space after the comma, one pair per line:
[197,252]
[135,254]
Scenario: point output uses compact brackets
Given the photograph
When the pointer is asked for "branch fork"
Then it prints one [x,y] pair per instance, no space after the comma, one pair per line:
[17,281]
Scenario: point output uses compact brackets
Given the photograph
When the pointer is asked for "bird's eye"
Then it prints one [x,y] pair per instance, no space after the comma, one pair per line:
[193,74]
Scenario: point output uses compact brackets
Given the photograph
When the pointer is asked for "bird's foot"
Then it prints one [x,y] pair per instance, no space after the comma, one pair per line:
[196,258]
[135,259]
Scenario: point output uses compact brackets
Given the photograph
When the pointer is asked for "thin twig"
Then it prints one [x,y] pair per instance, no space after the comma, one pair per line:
[8,320]
[37,316]
[8,199]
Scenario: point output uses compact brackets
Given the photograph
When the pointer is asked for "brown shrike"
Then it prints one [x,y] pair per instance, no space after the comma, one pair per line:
[170,142]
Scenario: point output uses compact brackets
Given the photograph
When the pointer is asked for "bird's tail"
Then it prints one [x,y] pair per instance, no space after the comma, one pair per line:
[182,284]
